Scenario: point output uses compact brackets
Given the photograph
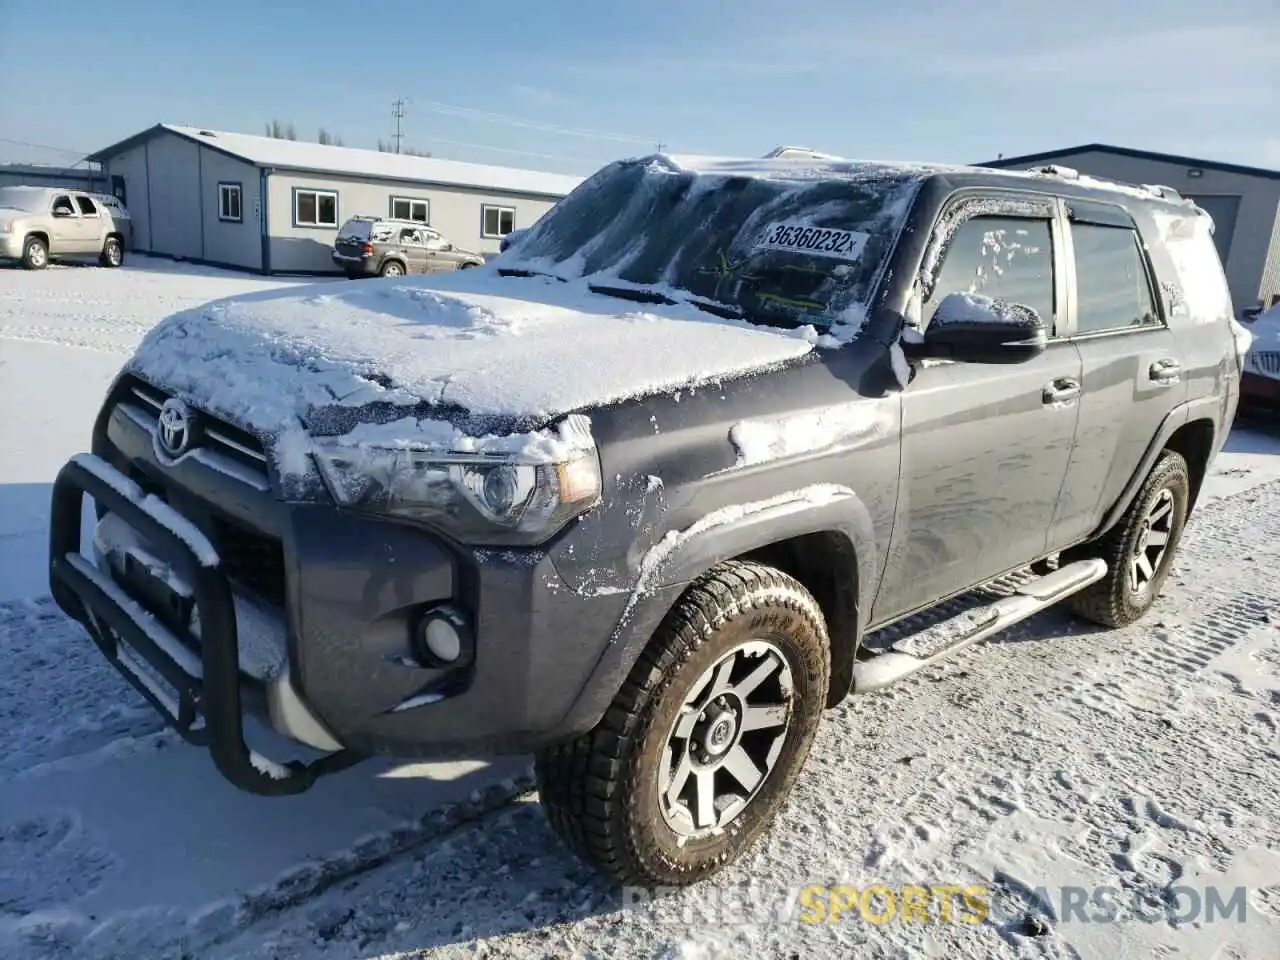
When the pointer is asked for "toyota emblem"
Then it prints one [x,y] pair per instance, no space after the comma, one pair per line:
[174,428]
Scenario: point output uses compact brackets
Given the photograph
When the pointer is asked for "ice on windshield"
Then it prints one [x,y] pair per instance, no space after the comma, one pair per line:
[803,250]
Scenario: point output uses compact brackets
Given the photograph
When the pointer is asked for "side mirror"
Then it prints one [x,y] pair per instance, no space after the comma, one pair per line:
[61,212]
[972,328]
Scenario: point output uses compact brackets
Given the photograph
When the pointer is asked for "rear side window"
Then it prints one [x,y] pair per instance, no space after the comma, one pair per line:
[86,207]
[1112,288]
[1005,258]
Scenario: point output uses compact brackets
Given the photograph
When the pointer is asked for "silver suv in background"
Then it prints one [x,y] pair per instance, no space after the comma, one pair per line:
[37,223]
[382,247]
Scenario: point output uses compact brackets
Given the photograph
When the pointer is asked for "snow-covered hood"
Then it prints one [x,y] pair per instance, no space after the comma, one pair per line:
[509,348]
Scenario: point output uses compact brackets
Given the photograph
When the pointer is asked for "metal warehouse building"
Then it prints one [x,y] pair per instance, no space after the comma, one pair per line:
[1243,201]
[88,179]
[274,206]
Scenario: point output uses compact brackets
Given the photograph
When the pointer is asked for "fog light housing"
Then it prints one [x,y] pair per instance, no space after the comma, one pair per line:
[444,639]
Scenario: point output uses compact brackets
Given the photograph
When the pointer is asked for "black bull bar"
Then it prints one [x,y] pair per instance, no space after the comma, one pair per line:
[207,711]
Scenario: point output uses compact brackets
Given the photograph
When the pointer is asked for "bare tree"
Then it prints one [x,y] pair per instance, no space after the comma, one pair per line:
[329,139]
[279,130]
[385,146]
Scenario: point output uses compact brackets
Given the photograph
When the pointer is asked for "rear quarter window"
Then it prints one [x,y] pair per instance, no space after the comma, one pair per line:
[1196,287]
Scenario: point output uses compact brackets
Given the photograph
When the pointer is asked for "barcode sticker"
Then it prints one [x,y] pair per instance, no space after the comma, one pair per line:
[795,237]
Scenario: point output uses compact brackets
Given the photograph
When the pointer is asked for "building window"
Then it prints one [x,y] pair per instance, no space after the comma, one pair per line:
[407,208]
[229,197]
[497,222]
[315,208]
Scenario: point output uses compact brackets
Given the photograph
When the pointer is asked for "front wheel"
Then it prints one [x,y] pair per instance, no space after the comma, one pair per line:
[702,745]
[35,254]
[1139,550]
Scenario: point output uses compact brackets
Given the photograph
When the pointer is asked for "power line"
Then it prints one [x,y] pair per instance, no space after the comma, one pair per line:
[82,154]
[489,117]
[512,150]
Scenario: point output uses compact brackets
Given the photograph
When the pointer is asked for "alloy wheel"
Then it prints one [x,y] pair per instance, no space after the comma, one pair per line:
[1152,543]
[726,740]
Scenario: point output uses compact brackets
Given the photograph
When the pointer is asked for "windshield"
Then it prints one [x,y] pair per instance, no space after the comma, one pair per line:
[792,247]
[22,198]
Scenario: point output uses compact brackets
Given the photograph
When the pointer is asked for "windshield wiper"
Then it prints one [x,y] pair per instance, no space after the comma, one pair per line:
[632,293]
[720,309]
[513,272]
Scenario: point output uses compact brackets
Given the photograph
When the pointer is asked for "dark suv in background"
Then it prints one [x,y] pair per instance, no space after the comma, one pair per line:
[379,247]
[702,453]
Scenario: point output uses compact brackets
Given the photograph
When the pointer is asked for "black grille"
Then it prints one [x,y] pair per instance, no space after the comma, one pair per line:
[251,560]
[213,434]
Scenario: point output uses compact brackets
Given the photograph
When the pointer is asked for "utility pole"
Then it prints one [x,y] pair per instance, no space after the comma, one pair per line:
[662,147]
[397,113]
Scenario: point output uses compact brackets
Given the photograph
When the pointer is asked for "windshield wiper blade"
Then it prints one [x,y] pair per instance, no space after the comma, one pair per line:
[720,309]
[631,293]
[514,272]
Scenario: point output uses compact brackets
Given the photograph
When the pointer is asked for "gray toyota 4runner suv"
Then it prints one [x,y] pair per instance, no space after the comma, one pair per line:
[712,446]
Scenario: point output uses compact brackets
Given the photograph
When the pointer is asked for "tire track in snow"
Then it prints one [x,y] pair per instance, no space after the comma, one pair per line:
[58,697]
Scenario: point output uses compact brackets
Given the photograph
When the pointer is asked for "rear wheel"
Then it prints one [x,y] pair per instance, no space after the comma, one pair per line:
[392,268]
[112,253]
[35,254]
[1139,550]
[703,743]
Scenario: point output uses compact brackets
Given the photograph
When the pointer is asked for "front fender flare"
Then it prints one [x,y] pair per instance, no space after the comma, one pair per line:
[682,555]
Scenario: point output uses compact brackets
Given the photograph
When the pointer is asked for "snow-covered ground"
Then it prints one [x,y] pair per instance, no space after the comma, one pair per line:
[1138,760]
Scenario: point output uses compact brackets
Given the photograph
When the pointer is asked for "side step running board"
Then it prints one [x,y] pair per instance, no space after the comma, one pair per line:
[949,636]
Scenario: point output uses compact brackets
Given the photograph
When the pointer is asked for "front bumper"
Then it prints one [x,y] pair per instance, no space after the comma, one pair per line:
[202,695]
[1259,392]
[11,246]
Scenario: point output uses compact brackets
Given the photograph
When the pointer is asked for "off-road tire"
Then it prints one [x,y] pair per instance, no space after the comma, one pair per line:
[392,268]
[35,254]
[112,253]
[600,790]
[1111,601]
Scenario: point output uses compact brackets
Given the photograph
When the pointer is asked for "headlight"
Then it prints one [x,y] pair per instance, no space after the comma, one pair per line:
[491,490]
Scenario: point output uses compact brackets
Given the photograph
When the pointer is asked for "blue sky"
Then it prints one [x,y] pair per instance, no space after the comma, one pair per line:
[568,86]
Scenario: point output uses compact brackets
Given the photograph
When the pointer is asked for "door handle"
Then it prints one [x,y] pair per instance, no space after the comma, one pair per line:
[1061,389]
[1166,370]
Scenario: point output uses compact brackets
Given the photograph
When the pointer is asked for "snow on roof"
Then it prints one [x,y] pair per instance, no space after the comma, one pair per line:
[802,166]
[300,155]
[788,165]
